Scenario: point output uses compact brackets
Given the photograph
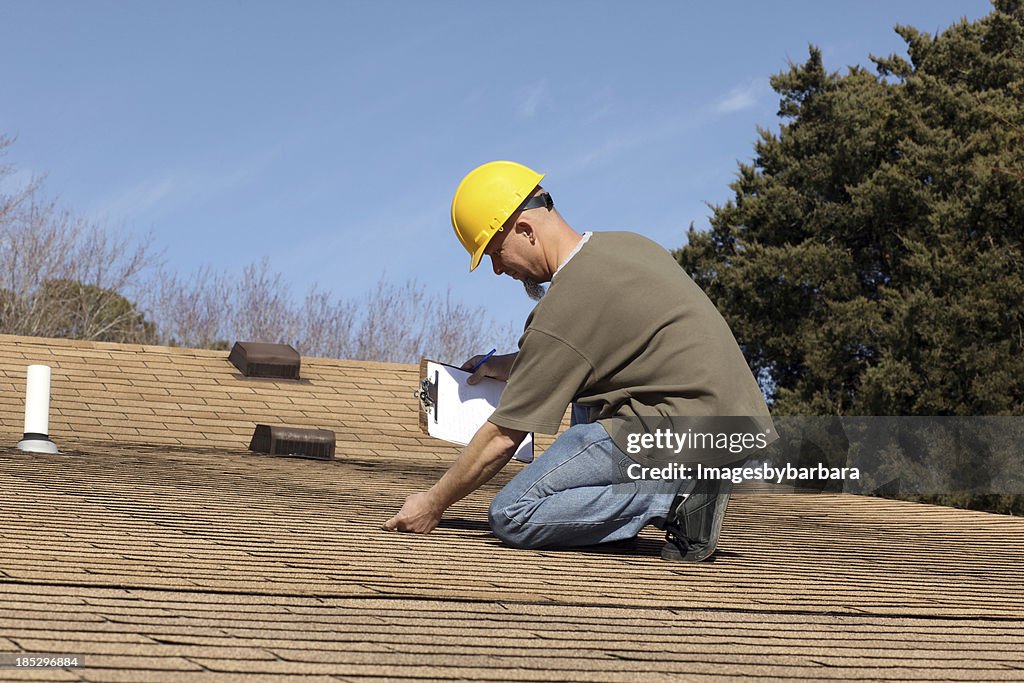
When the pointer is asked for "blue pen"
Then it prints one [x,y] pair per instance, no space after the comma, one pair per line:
[482,361]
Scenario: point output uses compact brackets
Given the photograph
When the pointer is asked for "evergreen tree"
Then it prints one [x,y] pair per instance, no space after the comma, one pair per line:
[872,259]
[79,311]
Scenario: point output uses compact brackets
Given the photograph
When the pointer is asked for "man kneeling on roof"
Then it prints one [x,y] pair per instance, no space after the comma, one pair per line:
[621,332]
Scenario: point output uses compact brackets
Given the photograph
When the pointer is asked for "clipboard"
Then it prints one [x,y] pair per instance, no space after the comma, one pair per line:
[453,410]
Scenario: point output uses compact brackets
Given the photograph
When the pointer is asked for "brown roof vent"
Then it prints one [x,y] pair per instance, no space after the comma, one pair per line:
[257,359]
[300,442]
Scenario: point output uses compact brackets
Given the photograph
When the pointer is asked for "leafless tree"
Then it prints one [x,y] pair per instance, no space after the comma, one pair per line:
[396,323]
[61,276]
[190,313]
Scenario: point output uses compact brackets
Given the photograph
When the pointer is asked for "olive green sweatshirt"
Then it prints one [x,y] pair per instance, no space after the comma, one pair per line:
[624,331]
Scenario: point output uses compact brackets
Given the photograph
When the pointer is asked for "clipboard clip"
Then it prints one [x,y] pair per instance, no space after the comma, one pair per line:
[427,395]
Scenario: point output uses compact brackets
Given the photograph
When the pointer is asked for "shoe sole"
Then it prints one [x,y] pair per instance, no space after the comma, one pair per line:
[670,552]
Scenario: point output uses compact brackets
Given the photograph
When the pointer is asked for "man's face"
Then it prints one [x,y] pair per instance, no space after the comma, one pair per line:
[509,250]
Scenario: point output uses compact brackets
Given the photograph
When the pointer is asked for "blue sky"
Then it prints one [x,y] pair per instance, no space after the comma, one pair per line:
[329,136]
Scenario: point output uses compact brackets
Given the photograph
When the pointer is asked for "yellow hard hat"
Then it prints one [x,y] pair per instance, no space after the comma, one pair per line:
[484,200]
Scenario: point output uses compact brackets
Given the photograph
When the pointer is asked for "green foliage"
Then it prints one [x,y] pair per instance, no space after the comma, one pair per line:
[81,311]
[69,309]
[872,259]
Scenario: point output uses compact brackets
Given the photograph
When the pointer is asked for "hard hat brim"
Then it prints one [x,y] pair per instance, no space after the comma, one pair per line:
[475,259]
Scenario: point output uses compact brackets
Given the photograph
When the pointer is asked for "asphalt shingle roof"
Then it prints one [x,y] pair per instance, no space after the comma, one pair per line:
[161,550]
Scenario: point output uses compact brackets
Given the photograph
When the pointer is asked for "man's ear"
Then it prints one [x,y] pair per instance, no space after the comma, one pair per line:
[524,228]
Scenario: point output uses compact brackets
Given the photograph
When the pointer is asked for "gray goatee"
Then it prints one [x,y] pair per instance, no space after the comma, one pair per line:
[534,289]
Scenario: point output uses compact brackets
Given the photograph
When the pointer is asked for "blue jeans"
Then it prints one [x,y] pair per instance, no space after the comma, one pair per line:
[578,493]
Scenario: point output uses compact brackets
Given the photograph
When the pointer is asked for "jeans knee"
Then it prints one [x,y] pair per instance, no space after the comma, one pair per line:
[498,520]
[504,526]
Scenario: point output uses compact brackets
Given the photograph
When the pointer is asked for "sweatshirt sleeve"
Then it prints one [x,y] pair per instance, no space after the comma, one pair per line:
[544,380]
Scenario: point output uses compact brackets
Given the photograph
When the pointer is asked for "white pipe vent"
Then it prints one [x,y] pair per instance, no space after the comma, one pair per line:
[37,412]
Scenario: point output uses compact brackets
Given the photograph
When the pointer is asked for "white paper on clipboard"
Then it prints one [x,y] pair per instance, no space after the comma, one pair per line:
[459,409]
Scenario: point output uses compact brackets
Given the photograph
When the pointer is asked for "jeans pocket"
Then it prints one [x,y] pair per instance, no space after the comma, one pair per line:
[629,469]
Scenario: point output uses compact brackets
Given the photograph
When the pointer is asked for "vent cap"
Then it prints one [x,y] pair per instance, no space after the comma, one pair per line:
[300,442]
[257,359]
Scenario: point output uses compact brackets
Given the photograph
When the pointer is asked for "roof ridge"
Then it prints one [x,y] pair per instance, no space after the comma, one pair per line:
[21,340]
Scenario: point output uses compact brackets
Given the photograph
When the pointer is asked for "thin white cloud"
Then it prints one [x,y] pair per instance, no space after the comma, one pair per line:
[741,97]
[601,153]
[136,199]
[531,98]
[616,142]
[164,191]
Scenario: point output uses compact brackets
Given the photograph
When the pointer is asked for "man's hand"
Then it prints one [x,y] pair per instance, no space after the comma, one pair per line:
[419,515]
[488,451]
[497,367]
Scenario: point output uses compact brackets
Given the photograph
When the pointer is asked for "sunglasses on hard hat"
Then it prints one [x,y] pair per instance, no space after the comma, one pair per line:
[540,200]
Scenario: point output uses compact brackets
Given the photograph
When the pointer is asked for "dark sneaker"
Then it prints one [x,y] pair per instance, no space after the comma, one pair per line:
[691,532]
